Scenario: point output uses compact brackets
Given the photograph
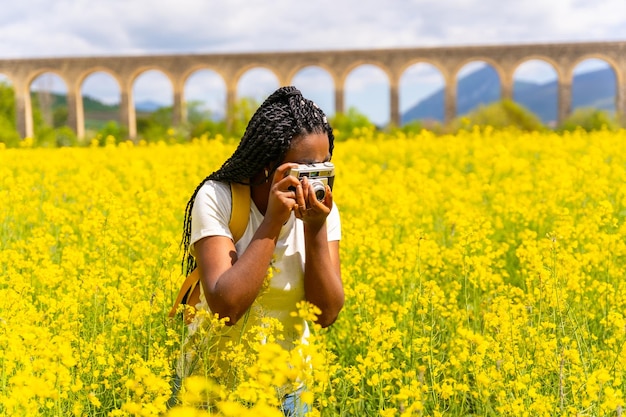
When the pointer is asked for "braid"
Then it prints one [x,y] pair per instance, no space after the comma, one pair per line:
[283,116]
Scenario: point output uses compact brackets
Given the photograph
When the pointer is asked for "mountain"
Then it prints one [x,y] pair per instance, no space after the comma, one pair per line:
[57,100]
[148,106]
[591,89]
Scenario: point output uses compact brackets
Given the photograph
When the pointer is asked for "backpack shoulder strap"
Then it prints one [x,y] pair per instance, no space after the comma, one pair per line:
[240,210]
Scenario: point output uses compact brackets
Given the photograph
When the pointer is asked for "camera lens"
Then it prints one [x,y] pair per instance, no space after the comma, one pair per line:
[320,189]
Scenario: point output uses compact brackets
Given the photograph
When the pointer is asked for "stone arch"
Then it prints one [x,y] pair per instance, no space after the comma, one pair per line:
[592,84]
[560,74]
[366,103]
[243,70]
[50,117]
[348,69]
[339,63]
[435,95]
[492,90]
[480,58]
[600,57]
[89,72]
[98,118]
[140,70]
[261,95]
[147,69]
[209,105]
[303,66]
[438,65]
[334,74]
[310,89]
[46,70]
[546,106]
[170,96]
[193,69]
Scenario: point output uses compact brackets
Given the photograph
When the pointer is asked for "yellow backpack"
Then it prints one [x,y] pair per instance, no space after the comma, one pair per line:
[189,293]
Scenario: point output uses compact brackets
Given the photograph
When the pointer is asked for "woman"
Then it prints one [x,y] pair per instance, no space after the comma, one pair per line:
[288,229]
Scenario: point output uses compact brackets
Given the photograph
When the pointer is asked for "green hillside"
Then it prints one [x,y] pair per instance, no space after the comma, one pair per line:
[97,113]
[89,104]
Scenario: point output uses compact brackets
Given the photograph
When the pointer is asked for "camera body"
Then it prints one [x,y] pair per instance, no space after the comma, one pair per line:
[320,175]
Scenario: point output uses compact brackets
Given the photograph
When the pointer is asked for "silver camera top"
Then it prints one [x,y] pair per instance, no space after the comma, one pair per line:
[321,169]
[320,175]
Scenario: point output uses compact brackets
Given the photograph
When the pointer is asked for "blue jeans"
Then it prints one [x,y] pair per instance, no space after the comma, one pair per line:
[292,405]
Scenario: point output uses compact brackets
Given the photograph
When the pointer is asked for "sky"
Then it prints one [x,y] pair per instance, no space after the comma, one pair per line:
[44,28]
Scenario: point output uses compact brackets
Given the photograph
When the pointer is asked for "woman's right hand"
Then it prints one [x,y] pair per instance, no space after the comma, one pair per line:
[282,198]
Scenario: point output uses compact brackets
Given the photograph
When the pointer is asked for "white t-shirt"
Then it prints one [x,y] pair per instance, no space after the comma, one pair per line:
[210,216]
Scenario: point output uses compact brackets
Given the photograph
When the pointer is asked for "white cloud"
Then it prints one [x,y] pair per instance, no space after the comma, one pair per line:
[98,27]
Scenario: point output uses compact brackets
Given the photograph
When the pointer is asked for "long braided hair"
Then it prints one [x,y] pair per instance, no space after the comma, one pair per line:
[283,116]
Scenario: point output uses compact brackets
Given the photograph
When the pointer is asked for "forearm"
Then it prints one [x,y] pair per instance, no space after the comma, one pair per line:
[322,276]
[236,288]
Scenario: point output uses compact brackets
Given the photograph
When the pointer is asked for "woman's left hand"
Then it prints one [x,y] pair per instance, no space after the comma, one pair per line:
[308,209]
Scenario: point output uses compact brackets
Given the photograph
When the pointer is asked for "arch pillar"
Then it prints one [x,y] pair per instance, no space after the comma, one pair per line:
[565,99]
[506,92]
[339,99]
[23,108]
[128,117]
[75,111]
[231,98]
[394,104]
[449,104]
[179,112]
[620,92]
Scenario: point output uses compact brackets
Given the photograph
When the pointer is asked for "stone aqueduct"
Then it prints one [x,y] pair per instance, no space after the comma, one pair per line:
[285,65]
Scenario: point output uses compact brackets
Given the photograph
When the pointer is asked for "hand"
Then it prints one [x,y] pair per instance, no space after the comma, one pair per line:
[282,197]
[308,209]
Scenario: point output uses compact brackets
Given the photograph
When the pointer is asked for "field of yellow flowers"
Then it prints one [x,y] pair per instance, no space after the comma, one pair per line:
[484,274]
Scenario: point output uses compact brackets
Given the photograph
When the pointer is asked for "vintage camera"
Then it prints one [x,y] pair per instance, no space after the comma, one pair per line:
[319,175]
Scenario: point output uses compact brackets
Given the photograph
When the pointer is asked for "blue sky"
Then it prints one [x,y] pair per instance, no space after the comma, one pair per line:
[39,28]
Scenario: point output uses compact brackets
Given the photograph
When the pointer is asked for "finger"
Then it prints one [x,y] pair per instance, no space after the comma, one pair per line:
[328,200]
[282,171]
[302,192]
[323,205]
[296,211]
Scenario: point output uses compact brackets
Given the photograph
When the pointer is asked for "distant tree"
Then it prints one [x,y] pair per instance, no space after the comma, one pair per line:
[8,134]
[238,116]
[112,129]
[344,124]
[154,126]
[505,113]
[7,102]
[590,119]
[201,121]
[59,116]
[39,123]
[50,137]
[412,127]
[8,129]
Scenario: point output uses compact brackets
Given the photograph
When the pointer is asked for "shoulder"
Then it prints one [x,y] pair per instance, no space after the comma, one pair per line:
[214,194]
[214,189]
